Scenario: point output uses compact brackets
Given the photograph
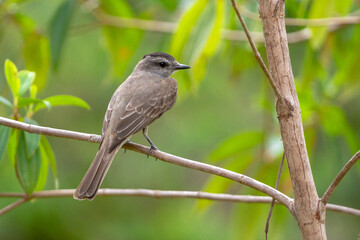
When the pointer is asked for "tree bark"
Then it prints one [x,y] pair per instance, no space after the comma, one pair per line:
[308,210]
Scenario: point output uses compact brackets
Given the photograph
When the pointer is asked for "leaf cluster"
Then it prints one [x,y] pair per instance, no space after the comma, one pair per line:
[30,154]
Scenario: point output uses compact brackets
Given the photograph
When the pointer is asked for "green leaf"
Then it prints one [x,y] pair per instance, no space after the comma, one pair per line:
[36,52]
[32,140]
[44,169]
[250,218]
[320,9]
[4,138]
[186,25]
[235,144]
[343,7]
[33,91]
[211,43]
[63,100]
[26,24]
[58,29]
[26,79]
[28,166]
[121,42]
[12,145]
[49,154]
[334,122]
[12,78]
[218,184]
[6,102]
[23,102]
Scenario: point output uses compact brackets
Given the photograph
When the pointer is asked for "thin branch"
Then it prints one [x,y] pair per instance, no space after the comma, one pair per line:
[273,200]
[166,157]
[13,205]
[314,22]
[106,192]
[50,131]
[142,24]
[343,209]
[170,27]
[257,54]
[325,198]
[258,37]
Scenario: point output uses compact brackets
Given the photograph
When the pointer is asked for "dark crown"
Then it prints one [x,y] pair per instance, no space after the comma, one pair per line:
[160,54]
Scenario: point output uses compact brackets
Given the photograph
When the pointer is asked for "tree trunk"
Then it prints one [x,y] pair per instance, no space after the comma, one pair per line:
[309,215]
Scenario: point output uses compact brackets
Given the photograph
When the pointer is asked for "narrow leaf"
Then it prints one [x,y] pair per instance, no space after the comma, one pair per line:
[28,167]
[236,144]
[26,79]
[186,25]
[36,52]
[44,169]
[58,29]
[25,22]
[4,137]
[320,9]
[12,78]
[23,102]
[121,42]
[63,100]
[32,140]
[211,43]
[33,91]
[48,152]
[12,144]
[6,102]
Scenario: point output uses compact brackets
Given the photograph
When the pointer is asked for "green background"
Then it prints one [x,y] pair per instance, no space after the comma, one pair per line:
[225,102]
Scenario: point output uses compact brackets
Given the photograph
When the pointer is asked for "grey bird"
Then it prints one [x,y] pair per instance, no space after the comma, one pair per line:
[141,99]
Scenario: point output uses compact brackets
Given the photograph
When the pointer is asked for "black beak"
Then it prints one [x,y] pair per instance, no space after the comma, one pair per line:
[181,66]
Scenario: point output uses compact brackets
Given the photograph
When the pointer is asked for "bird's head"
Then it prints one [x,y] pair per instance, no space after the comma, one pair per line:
[161,64]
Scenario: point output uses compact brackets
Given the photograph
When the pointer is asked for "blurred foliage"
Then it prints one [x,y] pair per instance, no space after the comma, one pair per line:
[225,114]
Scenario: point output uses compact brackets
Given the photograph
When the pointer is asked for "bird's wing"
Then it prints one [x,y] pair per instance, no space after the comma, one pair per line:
[108,114]
[139,114]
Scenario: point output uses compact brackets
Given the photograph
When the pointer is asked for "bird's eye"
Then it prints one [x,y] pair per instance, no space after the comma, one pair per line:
[162,64]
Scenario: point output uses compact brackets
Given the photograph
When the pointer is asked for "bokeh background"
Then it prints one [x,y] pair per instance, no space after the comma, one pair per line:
[224,115]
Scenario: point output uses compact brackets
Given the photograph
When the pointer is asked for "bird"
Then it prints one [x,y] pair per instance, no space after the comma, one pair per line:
[142,98]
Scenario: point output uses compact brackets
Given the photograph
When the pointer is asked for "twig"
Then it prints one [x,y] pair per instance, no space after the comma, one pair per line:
[170,27]
[13,205]
[50,131]
[106,192]
[166,157]
[273,200]
[257,54]
[258,37]
[343,209]
[314,22]
[325,198]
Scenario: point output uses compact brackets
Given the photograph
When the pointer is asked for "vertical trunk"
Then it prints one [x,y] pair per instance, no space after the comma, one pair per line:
[311,223]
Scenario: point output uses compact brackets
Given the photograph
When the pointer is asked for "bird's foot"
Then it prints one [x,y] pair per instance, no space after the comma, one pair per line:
[153,147]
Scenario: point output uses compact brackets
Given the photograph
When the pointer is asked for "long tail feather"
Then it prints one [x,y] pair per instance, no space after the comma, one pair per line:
[93,178]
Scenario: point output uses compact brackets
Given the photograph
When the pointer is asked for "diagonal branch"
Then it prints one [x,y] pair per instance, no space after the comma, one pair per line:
[164,194]
[166,157]
[325,198]
[257,54]
[14,205]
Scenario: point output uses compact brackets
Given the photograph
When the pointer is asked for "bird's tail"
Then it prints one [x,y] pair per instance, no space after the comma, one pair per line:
[93,178]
